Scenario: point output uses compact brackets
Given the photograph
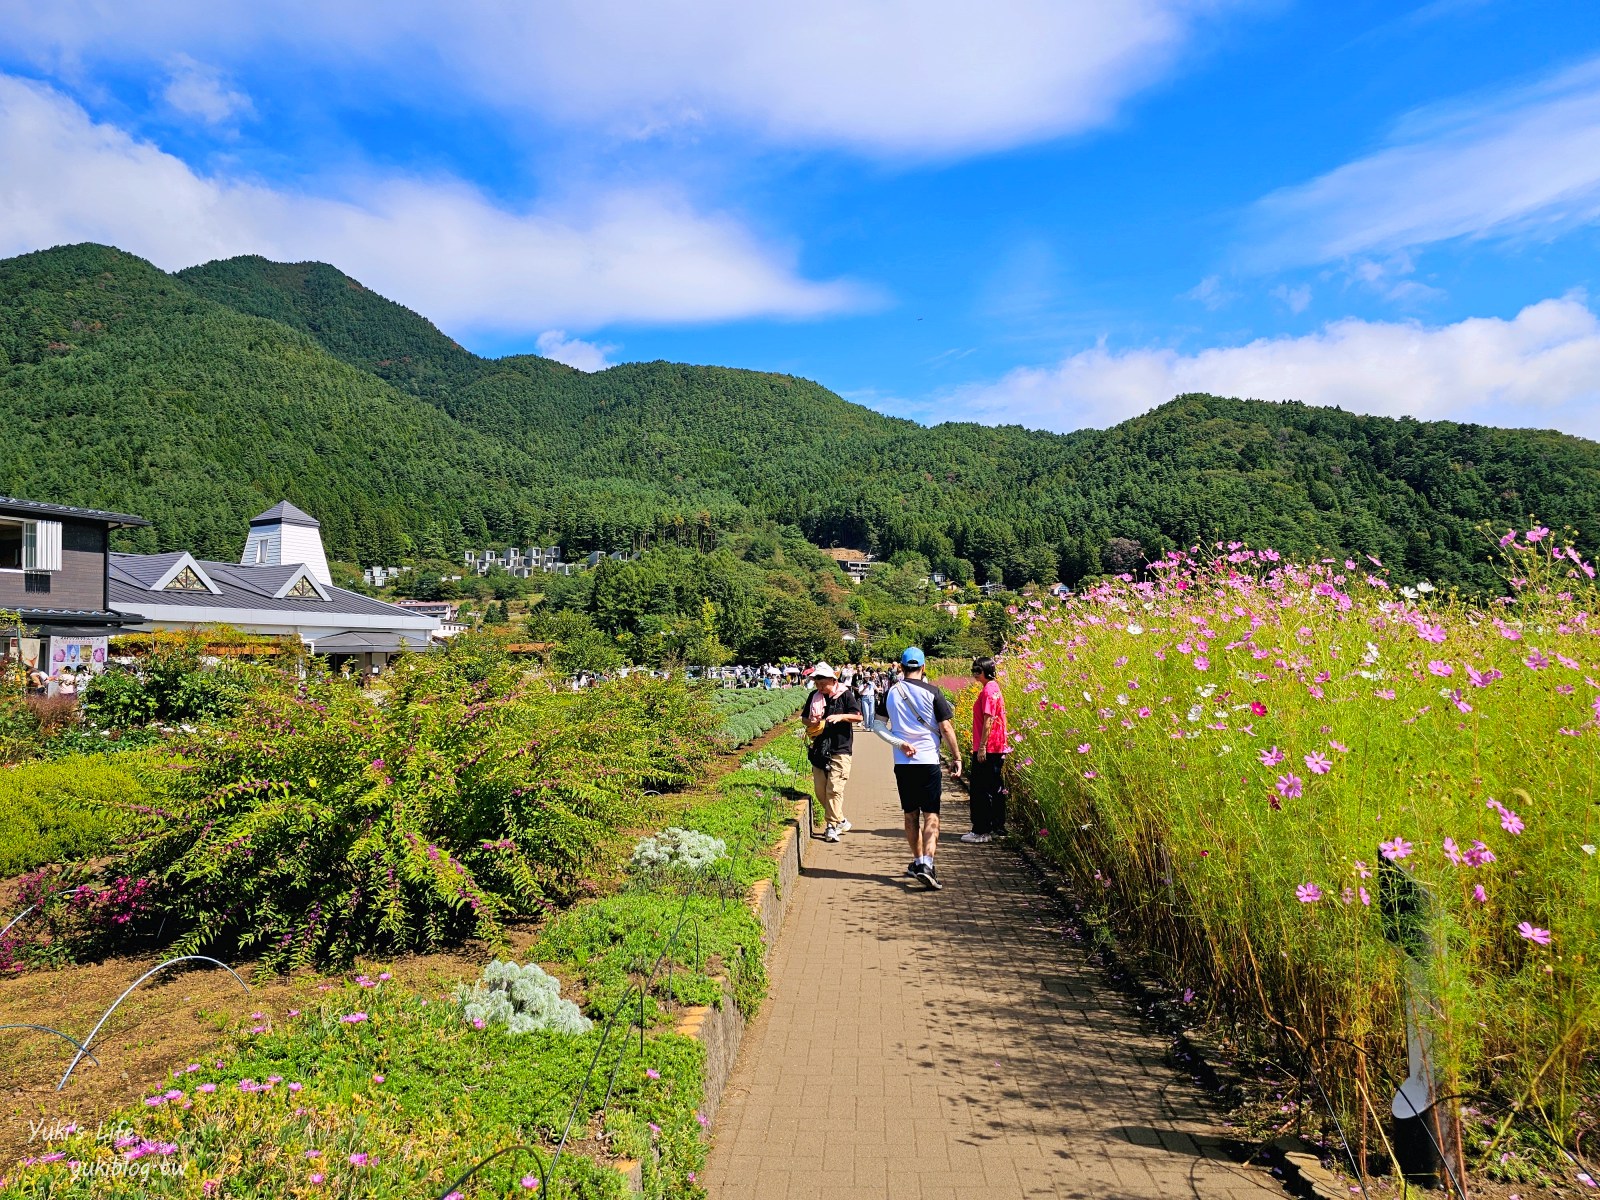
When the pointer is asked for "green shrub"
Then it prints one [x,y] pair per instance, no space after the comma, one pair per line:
[317,825]
[64,811]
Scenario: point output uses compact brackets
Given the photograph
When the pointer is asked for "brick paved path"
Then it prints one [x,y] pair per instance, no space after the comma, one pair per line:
[910,1047]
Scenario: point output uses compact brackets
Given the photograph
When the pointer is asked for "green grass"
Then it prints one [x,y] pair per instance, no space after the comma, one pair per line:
[67,810]
[451,1094]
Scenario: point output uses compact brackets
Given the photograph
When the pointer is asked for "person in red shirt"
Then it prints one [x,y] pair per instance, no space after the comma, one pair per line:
[989,745]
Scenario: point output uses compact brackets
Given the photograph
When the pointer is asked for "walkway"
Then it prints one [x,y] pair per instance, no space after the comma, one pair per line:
[949,1045]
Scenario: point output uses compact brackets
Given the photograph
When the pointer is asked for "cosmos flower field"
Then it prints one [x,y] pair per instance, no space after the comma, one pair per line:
[1225,751]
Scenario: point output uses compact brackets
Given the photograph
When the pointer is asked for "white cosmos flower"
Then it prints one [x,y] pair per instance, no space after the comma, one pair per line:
[1424,586]
[1136,630]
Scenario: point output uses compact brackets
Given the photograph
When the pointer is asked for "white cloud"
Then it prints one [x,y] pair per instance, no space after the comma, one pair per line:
[438,246]
[1540,369]
[882,76]
[1522,164]
[575,352]
[1296,299]
[196,90]
[1209,292]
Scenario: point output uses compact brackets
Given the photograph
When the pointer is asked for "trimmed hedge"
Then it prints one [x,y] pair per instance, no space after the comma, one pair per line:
[67,810]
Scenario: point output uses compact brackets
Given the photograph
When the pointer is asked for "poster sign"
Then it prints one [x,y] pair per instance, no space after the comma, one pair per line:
[77,653]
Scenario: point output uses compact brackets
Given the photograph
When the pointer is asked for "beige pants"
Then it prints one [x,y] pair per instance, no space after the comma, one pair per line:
[829,784]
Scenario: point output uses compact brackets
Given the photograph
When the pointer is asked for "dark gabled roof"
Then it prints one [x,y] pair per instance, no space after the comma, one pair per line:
[264,579]
[129,590]
[284,513]
[143,569]
[38,508]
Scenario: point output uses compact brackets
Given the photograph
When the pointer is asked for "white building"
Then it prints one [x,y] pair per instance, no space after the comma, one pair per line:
[266,593]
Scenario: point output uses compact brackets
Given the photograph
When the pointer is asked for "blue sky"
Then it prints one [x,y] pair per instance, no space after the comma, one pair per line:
[1034,211]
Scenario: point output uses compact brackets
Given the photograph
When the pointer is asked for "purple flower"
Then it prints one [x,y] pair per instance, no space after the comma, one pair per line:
[1510,822]
[1272,757]
[651,1073]
[1440,668]
[1289,787]
[354,1018]
[1536,661]
[1396,850]
[1202,663]
[1533,933]
[530,1182]
[207,1088]
[1478,894]
[358,1160]
[1318,764]
[1308,893]
[316,1177]
[377,1079]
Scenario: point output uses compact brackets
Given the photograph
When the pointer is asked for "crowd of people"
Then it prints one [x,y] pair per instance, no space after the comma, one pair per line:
[916,719]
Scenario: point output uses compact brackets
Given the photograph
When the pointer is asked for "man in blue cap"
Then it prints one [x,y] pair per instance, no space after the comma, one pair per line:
[918,715]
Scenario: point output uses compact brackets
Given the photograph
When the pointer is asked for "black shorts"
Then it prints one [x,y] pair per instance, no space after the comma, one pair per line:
[920,786]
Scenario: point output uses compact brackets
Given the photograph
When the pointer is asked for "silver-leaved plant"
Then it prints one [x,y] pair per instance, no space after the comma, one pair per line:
[522,998]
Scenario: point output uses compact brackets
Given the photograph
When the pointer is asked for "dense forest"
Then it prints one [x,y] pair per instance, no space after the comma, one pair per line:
[198,399]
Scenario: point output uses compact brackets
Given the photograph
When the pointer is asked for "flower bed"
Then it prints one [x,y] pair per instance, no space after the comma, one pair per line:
[378,1091]
[747,713]
[1223,755]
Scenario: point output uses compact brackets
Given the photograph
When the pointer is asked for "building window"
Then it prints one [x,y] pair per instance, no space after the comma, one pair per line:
[187,581]
[303,589]
[10,546]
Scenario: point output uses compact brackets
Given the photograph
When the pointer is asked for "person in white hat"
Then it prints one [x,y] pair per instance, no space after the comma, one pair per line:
[832,713]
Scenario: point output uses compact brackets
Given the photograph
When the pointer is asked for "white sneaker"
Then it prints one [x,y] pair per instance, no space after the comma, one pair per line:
[973,837]
[831,834]
[845,826]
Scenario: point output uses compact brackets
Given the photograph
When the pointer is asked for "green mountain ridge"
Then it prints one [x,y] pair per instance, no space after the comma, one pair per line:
[199,398]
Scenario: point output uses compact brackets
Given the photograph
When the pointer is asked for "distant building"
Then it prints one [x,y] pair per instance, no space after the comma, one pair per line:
[524,564]
[855,563]
[380,576]
[53,575]
[266,593]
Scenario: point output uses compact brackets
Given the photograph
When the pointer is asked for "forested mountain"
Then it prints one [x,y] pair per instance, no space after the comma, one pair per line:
[201,397]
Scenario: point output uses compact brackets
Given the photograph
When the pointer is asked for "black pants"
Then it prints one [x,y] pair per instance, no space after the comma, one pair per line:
[988,793]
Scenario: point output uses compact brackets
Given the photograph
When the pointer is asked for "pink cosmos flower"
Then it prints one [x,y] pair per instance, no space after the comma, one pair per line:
[1441,668]
[1509,537]
[1339,746]
[1318,763]
[1289,787]
[1431,633]
[1533,933]
[1091,774]
[1144,712]
[1536,661]
[1510,822]
[1083,748]
[1363,871]
[1384,693]
[1451,852]
[1308,893]
[1477,855]
[1366,897]
[1537,534]
[1202,663]
[1396,850]
[1258,708]
[1478,894]
[1272,757]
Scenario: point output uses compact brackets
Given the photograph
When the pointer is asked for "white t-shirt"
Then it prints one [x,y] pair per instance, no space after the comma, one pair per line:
[913,709]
